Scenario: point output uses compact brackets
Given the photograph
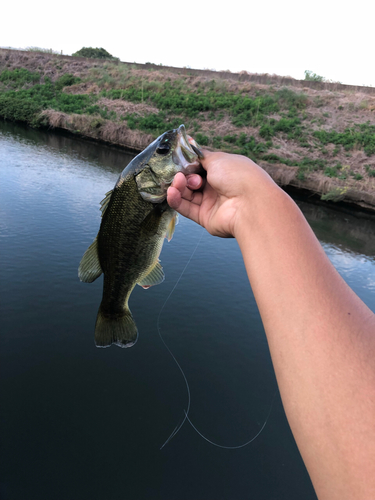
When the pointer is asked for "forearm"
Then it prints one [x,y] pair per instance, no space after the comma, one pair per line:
[321,338]
[321,335]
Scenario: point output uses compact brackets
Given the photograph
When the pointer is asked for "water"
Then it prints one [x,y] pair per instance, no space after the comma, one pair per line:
[82,423]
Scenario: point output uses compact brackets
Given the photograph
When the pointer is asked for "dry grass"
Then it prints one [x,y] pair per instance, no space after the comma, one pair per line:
[83,88]
[328,106]
[123,108]
[99,129]
[55,119]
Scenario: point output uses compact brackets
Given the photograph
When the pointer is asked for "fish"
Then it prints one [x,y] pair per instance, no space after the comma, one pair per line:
[136,219]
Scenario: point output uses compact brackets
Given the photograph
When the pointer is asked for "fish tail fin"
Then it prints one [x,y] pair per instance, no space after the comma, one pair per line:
[120,330]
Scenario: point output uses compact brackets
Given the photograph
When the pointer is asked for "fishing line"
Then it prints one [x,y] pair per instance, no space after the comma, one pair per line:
[178,427]
[240,445]
[186,412]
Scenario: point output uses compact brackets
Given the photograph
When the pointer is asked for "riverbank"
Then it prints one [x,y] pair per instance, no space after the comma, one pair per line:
[313,136]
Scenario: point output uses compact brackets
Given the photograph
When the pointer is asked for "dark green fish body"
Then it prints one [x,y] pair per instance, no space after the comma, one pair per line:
[125,258]
[135,220]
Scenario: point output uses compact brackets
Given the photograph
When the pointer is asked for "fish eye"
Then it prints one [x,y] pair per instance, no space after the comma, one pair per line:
[163,149]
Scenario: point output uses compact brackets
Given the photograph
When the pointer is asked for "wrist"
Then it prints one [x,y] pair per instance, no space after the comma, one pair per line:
[257,204]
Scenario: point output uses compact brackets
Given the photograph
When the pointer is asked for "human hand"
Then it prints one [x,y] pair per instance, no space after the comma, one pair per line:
[218,202]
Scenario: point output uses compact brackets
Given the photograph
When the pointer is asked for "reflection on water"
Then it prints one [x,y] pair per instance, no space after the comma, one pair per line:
[81,422]
[349,241]
[40,142]
[351,232]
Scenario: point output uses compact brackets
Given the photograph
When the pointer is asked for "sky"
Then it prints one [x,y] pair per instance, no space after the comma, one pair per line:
[331,38]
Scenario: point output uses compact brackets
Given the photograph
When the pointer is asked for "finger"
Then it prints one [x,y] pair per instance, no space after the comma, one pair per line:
[194,181]
[189,210]
[205,161]
[182,184]
[175,197]
[179,182]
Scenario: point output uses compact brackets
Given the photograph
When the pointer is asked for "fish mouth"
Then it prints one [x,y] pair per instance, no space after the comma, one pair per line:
[187,153]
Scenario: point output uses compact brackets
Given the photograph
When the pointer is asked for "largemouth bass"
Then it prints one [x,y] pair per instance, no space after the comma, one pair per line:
[135,220]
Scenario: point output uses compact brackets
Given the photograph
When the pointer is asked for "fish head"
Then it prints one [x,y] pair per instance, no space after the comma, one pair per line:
[172,152]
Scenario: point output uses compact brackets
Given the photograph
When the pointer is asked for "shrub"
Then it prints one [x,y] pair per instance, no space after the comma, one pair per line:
[289,126]
[18,108]
[66,81]
[26,104]
[201,139]
[98,53]
[289,99]
[69,103]
[230,138]
[216,142]
[313,77]
[266,131]
[18,78]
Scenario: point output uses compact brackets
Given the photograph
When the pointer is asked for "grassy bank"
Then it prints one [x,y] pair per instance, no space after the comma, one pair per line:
[321,139]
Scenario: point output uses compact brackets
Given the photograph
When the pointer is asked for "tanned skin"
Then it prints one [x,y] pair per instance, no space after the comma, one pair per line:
[321,335]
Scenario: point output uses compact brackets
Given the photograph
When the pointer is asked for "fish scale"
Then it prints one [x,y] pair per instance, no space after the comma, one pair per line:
[121,240]
[135,220]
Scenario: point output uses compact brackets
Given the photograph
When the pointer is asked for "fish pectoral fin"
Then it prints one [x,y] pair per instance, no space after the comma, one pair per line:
[89,267]
[171,227]
[154,277]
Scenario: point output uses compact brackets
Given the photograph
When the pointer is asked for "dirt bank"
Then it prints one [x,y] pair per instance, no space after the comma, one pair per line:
[318,137]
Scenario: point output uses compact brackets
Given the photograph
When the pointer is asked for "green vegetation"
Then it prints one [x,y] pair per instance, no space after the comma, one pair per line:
[333,171]
[19,78]
[269,123]
[358,136]
[243,109]
[94,53]
[20,102]
[289,126]
[336,194]
[153,123]
[40,49]
[174,100]
[370,171]
[313,77]
[66,80]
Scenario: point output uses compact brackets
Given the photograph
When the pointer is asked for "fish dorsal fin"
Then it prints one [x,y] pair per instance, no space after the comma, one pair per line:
[154,277]
[171,227]
[89,267]
[105,201]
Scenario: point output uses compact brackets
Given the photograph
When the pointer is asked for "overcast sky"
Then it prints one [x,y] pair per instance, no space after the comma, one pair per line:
[332,38]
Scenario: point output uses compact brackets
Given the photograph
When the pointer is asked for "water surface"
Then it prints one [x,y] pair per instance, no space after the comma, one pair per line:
[81,423]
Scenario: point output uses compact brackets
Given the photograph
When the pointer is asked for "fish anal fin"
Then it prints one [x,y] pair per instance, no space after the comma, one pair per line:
[154,277]
[171,227]
[89,267]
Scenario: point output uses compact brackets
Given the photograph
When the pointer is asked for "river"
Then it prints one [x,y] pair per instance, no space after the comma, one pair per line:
[81,423]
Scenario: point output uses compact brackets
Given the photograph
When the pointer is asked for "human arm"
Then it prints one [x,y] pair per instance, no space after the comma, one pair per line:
[321,335]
